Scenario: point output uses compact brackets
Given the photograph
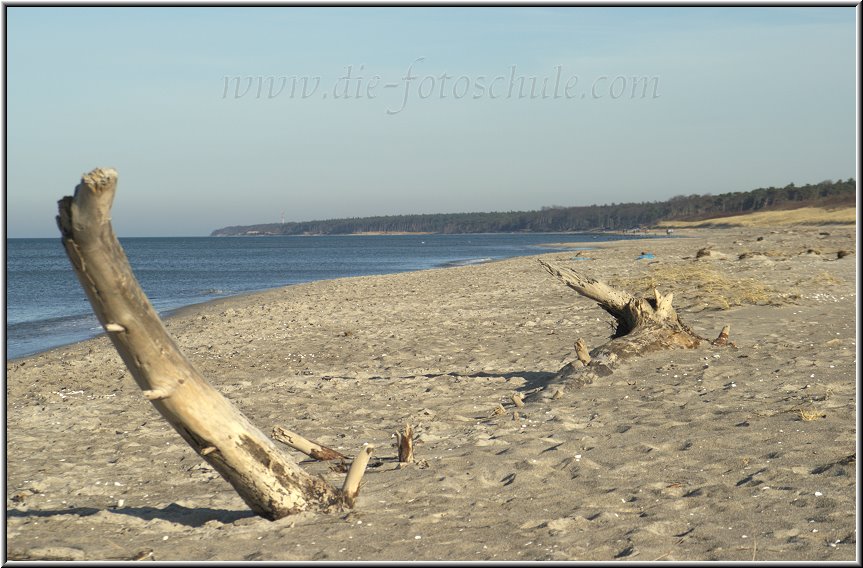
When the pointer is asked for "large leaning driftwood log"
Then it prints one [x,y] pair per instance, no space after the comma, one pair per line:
[643,325]
[270,482]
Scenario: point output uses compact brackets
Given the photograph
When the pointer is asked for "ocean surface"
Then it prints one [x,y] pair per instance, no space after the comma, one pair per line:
[46,308]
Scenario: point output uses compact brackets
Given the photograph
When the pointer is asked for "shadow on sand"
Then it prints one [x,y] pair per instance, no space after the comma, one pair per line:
[534,379]
[173,513]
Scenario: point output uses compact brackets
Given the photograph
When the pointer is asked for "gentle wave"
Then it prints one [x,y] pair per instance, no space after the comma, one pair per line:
[30,337]
[467,262]
[50,323]
[216,292]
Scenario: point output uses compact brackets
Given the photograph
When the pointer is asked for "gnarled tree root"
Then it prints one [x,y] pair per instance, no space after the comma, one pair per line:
[643,325]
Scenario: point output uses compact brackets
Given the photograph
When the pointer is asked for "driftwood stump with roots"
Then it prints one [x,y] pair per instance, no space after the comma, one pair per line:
[269,481]
[643,325]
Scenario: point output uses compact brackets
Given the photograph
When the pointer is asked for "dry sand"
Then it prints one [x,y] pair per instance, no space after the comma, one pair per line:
[680,455]
[800,216]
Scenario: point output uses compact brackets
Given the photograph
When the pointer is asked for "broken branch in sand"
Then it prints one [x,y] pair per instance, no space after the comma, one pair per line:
[270,482]
[643,325]
[311,449]
[722,339]
[405,443]
[581,352]
[351,488]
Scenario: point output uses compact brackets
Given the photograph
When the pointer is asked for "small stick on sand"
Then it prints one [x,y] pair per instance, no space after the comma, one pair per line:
[351,488]
[517,400]
[582,352]
[311,449]
[405,441]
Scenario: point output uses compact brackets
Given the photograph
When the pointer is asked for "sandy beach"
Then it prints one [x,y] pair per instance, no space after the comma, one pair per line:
[716,453]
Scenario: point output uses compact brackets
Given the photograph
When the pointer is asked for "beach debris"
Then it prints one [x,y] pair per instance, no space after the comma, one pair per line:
[517,399]
[351,488]
[558,394]
[842,254]
[581,352]
[722,339]
[810,415]
[146,554]
[708,252]
[312,449]
[752,256]
[643,325]
[269,481]
[21,496]
[405,443]
[499,409]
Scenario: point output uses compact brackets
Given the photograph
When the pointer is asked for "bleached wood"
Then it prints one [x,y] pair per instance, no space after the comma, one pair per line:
[270,482]
[311,449]
[609,298]
[405,443]
[643,325]
[351,488]
[581,352]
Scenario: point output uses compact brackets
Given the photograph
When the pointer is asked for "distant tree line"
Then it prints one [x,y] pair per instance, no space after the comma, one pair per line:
[617,216]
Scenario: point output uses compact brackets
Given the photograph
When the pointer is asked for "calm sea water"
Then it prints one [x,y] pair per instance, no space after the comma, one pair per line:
[46,308]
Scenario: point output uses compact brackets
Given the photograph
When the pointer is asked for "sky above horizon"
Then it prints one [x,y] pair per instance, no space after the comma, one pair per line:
[218,116]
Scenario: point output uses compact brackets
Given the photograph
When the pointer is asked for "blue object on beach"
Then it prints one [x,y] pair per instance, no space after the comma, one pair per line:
[581,258]
[647,255]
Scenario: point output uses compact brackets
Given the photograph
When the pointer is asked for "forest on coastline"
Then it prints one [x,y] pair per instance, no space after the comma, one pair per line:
[613,217]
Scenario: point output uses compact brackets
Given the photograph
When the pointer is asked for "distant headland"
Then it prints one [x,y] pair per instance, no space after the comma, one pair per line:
[681,209]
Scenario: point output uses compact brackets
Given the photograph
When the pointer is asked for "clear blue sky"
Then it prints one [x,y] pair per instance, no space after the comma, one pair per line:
[740,98]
